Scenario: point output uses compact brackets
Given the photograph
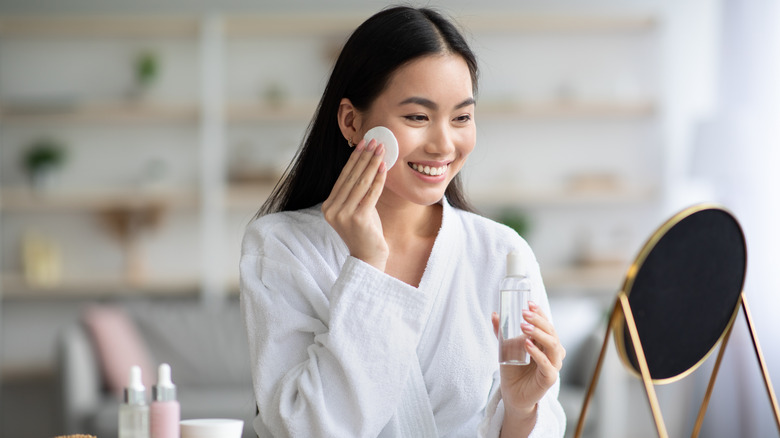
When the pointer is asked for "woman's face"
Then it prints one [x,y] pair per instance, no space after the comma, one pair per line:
[429,106]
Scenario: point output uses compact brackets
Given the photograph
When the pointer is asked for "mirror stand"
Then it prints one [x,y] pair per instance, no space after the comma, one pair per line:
[622,311]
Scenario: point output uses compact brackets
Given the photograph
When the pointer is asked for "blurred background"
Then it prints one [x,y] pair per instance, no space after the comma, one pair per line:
[137,139]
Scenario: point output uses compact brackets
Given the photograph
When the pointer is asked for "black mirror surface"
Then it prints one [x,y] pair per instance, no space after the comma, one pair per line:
[683,290]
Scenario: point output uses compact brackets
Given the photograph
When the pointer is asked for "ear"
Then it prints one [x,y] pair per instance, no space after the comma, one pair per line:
[349,121]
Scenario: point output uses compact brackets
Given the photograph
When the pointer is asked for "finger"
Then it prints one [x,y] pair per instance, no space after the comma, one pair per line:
[543,365]
[550,345]
[543,332]
[336,195]
[351,177]
[375,189]
[495,320]
[353,157]
[359,189]
[536,317]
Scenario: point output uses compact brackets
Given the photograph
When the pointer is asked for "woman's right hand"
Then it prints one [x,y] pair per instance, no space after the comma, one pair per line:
[351,206]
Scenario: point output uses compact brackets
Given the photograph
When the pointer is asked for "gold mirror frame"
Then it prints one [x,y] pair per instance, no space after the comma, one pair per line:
[628,284]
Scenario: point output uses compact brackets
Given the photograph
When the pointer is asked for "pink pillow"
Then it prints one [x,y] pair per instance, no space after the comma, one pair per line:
[119,346]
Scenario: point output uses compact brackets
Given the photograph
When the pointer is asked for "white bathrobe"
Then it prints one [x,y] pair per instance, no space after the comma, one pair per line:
[336,344]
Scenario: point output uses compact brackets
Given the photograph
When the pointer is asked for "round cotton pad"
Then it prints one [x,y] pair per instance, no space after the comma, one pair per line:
[384,136]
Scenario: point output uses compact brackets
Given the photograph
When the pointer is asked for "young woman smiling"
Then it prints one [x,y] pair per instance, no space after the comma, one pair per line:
[368,293]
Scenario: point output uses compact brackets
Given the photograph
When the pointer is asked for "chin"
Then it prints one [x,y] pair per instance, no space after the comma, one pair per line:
[429,198]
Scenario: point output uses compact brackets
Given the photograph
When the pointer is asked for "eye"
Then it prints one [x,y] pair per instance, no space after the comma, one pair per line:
[416,117]
[465,118]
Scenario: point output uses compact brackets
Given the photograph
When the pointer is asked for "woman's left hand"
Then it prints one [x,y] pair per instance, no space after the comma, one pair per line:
[523,386]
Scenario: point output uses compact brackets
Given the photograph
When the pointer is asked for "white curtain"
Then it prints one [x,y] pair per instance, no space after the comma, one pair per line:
[738,153]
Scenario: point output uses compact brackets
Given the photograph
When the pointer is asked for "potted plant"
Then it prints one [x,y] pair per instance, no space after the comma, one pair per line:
[43,160]
[146,70]
[515,219]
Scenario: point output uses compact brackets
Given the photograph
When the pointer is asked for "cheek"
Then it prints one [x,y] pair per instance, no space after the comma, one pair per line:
[407,139]
[467,141]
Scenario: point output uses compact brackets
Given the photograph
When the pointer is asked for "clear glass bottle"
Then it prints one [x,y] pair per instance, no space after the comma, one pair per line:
[134,411]
[515,292]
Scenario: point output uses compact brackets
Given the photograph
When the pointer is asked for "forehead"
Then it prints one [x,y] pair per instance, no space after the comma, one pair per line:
[437,76]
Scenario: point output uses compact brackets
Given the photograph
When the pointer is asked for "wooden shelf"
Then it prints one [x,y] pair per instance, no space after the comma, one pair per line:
[537,22]
[24,200]
[573,108]
[101,112]
[16,287]
[475,21]
[247,196]
[100,26]
[292,25]
[604,278]
[304,24]
[254,112]
[522,198]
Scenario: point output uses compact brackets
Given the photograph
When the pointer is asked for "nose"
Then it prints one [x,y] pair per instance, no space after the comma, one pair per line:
[441,140]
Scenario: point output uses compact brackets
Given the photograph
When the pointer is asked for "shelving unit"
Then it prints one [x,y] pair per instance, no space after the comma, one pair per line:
[102,112]
[219,117]
[99,214]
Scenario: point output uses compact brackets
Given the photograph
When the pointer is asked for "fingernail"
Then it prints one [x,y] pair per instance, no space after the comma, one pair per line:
[527,314]
[527,328]
[371,145]
[379,149]
[532,305]
[361,145]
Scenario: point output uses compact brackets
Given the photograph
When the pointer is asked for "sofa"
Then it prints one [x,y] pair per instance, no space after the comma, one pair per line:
[205,345]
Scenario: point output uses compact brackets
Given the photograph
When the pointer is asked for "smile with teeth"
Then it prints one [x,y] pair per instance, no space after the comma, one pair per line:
[428,170]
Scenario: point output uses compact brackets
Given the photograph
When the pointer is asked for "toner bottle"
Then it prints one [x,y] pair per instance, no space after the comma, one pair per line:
[515,292]
[164,411]
[134,412]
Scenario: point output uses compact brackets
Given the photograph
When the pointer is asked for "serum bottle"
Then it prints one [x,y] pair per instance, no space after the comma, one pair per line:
[164,411]
[134,412]
[515,292]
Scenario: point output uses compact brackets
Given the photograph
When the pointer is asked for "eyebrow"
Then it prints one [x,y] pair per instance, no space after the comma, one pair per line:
[432,105]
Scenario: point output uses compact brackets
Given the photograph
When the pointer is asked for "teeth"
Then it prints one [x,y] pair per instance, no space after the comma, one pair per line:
[428,170]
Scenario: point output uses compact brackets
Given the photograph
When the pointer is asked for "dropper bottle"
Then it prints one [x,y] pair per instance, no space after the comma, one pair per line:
[164,412]
[134,412]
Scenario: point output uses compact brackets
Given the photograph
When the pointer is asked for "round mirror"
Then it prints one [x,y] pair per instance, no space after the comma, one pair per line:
[683,290]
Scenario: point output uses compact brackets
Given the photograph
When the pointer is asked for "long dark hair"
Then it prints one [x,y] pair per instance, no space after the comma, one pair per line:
[376,49]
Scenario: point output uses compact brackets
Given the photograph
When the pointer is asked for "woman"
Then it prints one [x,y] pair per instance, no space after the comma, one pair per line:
[367,293]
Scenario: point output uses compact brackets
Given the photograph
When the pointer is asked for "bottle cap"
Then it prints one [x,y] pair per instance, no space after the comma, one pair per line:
[135,392]
[164,390]
[514,264]
[384,136]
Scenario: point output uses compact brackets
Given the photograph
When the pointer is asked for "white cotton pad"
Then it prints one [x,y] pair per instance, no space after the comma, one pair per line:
[384,136]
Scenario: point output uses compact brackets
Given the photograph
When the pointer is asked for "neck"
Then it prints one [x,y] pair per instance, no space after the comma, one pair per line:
[408,220]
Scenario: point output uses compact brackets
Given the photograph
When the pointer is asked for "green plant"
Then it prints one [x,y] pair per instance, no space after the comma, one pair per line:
[44,153]
[516,220]
[147,67]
